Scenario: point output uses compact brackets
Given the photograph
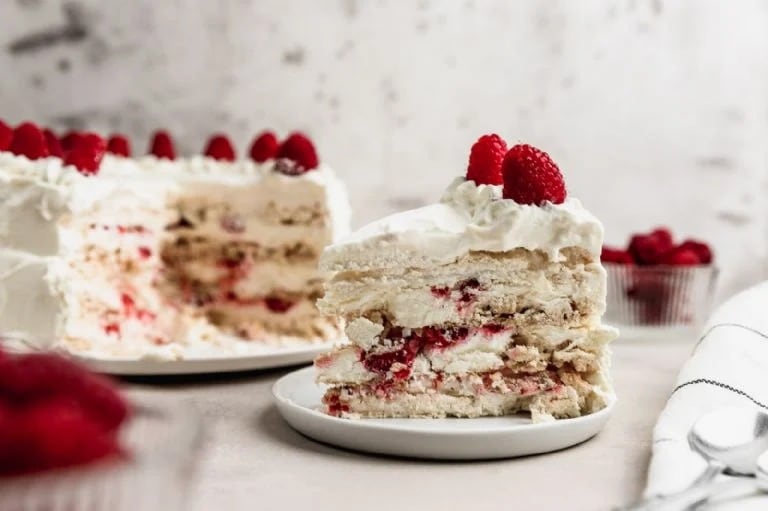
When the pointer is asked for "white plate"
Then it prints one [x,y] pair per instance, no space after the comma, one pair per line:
[298,399]
[268,357]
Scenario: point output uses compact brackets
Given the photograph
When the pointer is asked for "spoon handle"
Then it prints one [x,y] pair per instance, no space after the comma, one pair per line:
[714,469]
[688,499]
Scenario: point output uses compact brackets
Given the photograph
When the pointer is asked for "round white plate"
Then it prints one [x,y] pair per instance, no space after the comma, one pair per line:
[298,399]
[268,357]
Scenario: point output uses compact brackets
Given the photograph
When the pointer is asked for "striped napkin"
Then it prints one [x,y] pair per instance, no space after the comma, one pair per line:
[728,367]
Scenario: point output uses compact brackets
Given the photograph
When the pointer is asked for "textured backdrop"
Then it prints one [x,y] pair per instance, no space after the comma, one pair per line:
[657,111]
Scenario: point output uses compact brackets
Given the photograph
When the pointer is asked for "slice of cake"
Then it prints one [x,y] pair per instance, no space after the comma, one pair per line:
[486,303]
[161,256]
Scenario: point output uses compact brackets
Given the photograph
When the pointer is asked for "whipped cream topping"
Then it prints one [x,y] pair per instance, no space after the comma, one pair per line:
[469,217]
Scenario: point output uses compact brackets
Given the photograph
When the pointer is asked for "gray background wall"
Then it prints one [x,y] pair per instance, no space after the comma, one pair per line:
[657,111]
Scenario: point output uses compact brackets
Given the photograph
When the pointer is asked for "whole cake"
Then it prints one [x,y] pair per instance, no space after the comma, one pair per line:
[486,303]
[107,255]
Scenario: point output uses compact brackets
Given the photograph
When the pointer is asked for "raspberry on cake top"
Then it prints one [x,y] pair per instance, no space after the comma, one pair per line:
[161,256]
[486,303]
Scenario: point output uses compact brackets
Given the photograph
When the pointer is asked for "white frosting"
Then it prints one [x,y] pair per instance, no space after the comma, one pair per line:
[469,217]
[45,208]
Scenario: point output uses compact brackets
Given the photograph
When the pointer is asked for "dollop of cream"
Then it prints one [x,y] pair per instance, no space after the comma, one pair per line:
[469,217]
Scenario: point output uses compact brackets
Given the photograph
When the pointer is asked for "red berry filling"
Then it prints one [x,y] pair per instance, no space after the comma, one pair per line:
[406,348]
[112,329]
[441,291]
[492,329]
[523,384]
[132,311]
[404,355]
[333,404]
[278,305]
[466,290]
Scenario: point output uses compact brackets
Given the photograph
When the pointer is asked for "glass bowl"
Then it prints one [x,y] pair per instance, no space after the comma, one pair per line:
[659,296]
[161,441]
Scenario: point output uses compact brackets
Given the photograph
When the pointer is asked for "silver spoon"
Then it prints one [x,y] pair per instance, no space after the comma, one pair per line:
[731,439]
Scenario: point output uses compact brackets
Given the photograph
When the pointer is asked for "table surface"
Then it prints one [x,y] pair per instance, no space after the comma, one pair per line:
[253,460]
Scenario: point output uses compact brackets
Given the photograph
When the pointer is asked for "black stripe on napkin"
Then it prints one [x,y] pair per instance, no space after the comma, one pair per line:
[722,386]
[734,325]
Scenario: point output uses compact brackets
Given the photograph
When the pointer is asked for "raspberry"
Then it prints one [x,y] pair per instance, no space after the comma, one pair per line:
[53,434]
[6,134]
[87,153]
[69,139]
[531,177]
[264,147]
[52,141]
[29,378]
[649,249]
[681,256]
[299,149]
[29,141]
[702,250]
[437,338]
[616,256]
[485,160]
[664,235]
[119,145]
[220,148]
[404,354]
[162,146]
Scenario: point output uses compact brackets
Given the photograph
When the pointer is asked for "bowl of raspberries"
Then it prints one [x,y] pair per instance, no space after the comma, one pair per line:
[658,282]
[70,440]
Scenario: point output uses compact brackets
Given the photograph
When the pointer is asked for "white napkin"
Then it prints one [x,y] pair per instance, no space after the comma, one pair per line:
[728,367]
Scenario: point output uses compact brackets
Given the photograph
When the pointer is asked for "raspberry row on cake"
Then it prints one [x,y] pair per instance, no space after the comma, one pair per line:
[162,256]
[486,303]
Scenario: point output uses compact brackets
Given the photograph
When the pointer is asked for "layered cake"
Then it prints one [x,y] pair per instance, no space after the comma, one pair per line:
[486,303]
[110,255]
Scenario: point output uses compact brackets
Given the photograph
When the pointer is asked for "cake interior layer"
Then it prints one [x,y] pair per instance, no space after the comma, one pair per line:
[395,353]
[546,395]
[120,282]
[514,288]
[242,269]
